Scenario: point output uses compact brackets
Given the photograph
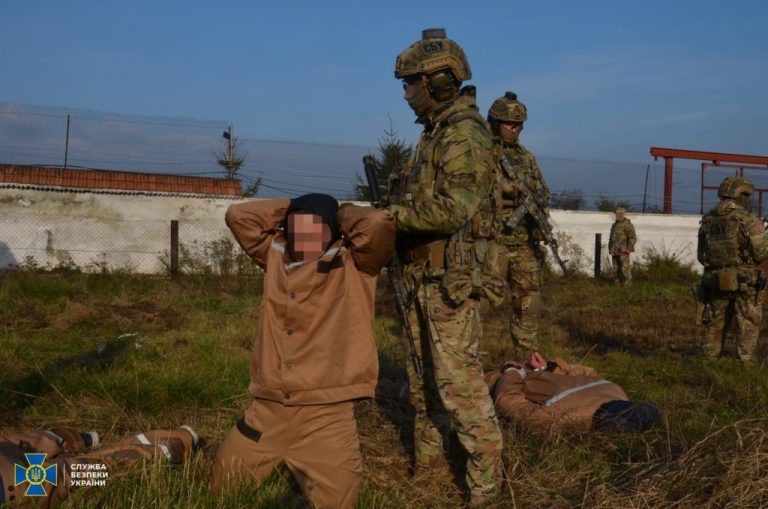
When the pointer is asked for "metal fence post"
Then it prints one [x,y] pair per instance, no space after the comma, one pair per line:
[598,253]
[174,247]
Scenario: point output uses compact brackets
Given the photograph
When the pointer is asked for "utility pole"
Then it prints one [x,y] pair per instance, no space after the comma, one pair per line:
[66,144]
[645,191]
[228,136]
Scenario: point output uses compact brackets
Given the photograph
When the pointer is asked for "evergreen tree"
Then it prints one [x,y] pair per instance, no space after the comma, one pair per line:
[393,154]
[232,157]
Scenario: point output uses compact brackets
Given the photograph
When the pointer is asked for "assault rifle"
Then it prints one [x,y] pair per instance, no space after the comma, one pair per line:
[394,268]
[533,205]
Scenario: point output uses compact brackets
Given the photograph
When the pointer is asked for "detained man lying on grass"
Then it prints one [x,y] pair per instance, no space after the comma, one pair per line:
[551,396]
[41,468]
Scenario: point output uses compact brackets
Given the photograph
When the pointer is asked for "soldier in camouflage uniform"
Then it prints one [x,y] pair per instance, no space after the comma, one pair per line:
[732,243]
[620,244]
[445,218]
[506,117]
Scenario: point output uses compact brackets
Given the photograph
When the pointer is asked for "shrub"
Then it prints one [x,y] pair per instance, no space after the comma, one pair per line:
[220,257]
[665,263]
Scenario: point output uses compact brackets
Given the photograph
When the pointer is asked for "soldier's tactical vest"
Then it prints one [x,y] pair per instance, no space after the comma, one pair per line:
[721,234]
[619,236]
[728,263]
[469,262]
[512,168]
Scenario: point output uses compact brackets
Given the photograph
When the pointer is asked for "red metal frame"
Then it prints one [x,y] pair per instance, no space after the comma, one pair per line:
[741,168]
[717,159]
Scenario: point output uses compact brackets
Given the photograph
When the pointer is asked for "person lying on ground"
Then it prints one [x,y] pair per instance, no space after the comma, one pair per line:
[555,395]
[41,468]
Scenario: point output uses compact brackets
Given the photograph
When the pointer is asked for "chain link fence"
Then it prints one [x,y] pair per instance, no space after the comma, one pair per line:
[45,136]
[60,137]
[54,242]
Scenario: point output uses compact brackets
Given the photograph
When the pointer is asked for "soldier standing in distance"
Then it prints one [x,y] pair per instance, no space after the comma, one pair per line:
[445,222]
[506,117]
[732,243]
[620,244]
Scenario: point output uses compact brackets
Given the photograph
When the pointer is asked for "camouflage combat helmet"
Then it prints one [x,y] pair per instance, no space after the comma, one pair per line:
[734,186]
[507,109]
[434,52]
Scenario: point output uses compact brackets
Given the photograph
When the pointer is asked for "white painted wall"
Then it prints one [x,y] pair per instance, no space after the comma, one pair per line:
[49,228]
[669,234]
[133,231]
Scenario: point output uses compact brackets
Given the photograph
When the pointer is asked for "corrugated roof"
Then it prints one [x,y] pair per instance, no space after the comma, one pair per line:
[86,180]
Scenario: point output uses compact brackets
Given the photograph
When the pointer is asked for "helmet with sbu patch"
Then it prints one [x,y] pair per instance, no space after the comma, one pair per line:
[434,52]
[734,186]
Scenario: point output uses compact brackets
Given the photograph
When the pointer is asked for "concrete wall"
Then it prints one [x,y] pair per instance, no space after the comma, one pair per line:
[93,230]
[667,234]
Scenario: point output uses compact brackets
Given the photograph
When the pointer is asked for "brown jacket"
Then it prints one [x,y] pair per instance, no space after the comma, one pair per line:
[314,342]
[567,396]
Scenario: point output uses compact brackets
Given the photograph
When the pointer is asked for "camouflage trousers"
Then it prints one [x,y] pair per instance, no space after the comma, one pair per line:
[721,310]
[453,392]
[622,269]
[525,280]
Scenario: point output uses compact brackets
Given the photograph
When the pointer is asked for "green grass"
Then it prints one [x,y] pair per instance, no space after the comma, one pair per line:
[122,354]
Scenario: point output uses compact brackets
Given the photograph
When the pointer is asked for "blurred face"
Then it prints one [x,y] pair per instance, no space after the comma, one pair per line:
[743,199]
[509,132]
[309,236]
[415,94]
[411,86]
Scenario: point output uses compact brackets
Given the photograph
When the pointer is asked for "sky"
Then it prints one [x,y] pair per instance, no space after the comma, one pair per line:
[603,81]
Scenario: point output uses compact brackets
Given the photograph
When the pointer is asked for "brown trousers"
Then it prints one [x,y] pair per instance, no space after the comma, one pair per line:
[318,443]
[64,447]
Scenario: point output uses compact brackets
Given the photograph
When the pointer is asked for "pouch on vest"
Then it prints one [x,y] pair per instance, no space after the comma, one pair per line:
[432,252]
[496,260]
[457,285]
[727,280]
[489,272]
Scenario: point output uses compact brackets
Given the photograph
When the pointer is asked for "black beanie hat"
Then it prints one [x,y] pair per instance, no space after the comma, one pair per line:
[321,205]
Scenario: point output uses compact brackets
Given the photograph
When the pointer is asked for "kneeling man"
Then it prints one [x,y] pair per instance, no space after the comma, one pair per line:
[314,352]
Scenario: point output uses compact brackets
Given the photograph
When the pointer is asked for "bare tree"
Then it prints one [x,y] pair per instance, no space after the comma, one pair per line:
[604,203]
[568,200]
